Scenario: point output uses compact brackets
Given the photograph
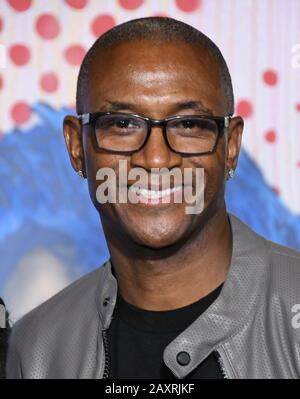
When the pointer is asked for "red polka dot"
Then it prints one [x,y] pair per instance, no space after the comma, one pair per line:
[131,4]
[270,77]
[1,24]
[101,24]
[19,54]
[77,4]
[276,190]
[244,108]
[188,5]
[20,5]
[298,164]
[1,82]
[20,112]
[74,54]
[49,82]
[47,26]
[298,107]
[270,136]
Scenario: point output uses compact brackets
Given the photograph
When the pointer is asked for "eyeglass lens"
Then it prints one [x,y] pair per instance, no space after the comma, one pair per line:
[128,133]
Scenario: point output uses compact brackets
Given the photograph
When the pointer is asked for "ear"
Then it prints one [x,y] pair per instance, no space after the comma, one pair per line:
[73,139]
[234,142]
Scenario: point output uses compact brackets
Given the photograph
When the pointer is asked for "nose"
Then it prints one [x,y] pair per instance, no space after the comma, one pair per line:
[156,153]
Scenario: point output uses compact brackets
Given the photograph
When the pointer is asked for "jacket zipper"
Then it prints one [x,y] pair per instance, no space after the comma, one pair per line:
[106,354]
[220,364]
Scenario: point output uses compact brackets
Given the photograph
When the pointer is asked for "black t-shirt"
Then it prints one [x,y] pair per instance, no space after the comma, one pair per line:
[138,337]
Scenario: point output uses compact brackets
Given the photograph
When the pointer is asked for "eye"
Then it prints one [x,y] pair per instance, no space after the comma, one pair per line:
[196,124]
[118,123]
[127,123]
[188,123]
[123,123]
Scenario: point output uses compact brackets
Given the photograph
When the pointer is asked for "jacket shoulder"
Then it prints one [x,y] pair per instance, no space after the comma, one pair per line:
[284,257]
[55,327]
[71,299]
[284,275]
[280,263]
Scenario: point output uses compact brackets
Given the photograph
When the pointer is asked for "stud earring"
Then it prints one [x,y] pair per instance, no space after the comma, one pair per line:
[231,173]
[80,174]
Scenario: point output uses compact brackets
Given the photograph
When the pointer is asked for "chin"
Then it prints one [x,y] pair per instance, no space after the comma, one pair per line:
[154,228]
[154,243]
[157,238]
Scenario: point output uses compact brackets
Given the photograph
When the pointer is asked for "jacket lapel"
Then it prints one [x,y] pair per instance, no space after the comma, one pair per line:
[234,307]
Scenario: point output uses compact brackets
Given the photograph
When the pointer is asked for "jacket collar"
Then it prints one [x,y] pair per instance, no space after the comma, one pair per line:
[106,294]
[235,304]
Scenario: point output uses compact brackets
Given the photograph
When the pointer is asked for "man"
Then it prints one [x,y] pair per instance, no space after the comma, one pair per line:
[4,330]
[184,295]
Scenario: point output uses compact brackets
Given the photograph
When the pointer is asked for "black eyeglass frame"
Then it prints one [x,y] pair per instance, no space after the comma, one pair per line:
[221,121]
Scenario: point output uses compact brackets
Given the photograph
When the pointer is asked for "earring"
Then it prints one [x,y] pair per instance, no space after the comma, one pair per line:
[231,173]
[80,174]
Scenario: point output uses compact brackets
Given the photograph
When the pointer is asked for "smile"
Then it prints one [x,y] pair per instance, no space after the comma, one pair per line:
[154,194]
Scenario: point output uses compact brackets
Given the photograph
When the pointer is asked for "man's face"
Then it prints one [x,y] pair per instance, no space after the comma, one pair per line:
[157,80]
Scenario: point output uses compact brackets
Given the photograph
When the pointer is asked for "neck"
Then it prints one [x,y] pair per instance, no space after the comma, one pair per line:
[166,279]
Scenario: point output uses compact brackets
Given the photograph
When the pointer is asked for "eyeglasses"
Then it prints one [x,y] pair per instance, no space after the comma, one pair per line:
[184,134]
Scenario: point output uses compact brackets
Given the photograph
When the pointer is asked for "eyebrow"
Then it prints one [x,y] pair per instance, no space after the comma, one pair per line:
[183,105]
[195,105]
[118,106]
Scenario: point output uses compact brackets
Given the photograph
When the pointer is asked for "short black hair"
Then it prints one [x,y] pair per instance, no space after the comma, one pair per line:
[158,29]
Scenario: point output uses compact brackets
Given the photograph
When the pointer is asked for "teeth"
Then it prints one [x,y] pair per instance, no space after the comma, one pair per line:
[154,194]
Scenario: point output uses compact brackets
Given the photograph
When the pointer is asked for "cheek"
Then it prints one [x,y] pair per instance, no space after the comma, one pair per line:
[95,160]
[213,165]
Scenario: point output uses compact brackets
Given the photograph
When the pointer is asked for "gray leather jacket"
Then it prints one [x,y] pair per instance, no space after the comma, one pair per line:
[249,325]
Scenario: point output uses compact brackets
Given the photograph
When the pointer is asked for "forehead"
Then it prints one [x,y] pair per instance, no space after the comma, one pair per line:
[150,73]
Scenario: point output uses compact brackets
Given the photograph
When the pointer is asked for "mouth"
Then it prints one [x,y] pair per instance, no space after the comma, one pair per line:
[153,197]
